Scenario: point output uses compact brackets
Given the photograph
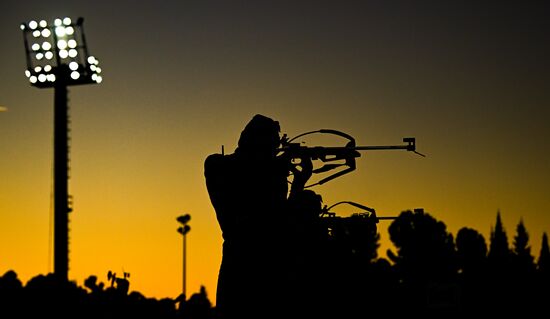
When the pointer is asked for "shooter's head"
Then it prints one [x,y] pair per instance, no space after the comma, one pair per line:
[260,136]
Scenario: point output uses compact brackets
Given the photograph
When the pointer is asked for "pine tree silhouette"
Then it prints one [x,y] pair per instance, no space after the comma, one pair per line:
[499,251]
[543,263]
[523,269]
[524,261]
[500,299]
[543,275]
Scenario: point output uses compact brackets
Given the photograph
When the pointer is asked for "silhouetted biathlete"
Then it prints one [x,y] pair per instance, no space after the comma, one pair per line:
[249,192]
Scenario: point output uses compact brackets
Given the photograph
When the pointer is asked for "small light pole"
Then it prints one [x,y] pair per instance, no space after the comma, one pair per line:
[183,230]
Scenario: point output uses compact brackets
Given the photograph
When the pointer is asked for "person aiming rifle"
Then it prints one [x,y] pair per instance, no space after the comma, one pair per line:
[249,192]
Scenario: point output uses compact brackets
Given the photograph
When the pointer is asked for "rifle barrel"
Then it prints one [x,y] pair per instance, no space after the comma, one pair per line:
[368,148]
[387,147]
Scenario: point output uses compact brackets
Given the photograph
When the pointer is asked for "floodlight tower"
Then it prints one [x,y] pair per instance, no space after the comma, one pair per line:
[57,56]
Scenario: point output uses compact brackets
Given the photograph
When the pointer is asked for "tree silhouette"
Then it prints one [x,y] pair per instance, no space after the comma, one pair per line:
[53,297]
[91,283]
[425,260]
[499,251]
[502,284]
[522,278]
[543,263]
[471,251]
[472,260]
[425,250]
[197,307]
[542,286]
[11,292]
[46,296]
[523,260]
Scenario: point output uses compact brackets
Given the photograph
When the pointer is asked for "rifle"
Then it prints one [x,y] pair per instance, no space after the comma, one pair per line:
[337,227]
[368,212]
[347,153]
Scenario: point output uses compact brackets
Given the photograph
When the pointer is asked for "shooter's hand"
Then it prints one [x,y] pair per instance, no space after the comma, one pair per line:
[302,172]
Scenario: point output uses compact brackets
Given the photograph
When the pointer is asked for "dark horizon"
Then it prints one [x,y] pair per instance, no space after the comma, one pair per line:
[456,278]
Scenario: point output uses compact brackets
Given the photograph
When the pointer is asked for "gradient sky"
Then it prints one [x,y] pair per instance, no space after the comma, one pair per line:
[182,78]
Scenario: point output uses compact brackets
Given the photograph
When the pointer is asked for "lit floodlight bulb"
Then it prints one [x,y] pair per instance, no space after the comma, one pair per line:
[99,79]
[36,33]
[47,68]
[69,30]
[94,77]
[63,54]
[93,68]
[33,25]
[98,70]
[46,46]
[67,21]
[37,69]
[46,33]
[23,27]
[33,79]
[51,77]
[72,43]
[91,59]
[73,53]
[49,55]
[60,31]
[42,77]
[75,75]
[39,56]
[28,73]
[35,47]
[43,23]
[73,66]
[62,44]
[57,22]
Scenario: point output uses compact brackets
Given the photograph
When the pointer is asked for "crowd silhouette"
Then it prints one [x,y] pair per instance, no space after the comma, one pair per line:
[283,259]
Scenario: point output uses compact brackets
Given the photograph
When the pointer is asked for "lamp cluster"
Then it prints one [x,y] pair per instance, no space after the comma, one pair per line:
[58,52]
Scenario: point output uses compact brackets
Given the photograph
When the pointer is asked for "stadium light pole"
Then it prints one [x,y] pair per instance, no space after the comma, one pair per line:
[183,230]
[57,57]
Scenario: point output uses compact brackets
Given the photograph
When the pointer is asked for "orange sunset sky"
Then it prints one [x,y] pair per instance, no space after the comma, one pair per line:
[182,78]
